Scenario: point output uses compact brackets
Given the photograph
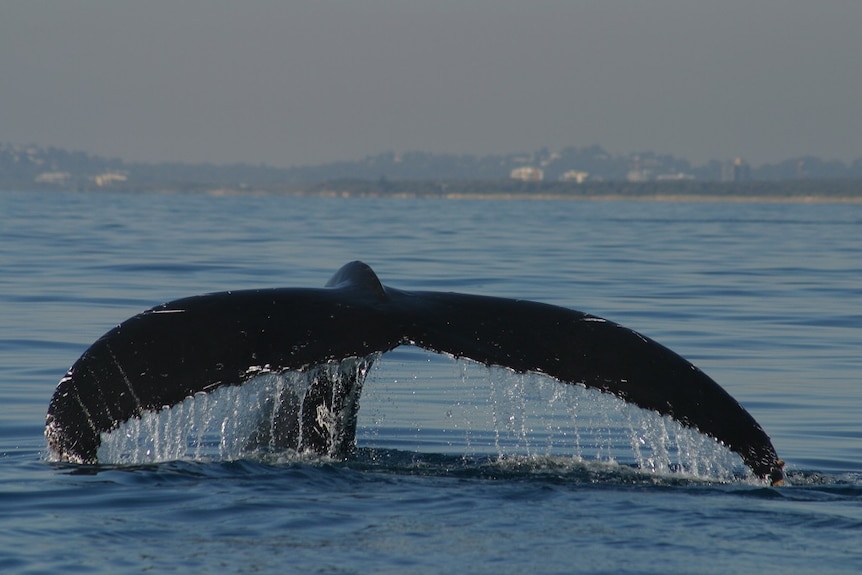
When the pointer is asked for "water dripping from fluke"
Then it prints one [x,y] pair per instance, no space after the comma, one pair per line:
[510,424]
[298,415]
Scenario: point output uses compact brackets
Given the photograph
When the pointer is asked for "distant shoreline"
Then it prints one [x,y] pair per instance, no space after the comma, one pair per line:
[572,198]
[791,191]
[678,198]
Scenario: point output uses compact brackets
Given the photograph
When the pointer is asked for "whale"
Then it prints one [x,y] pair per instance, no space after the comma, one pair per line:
[173,351]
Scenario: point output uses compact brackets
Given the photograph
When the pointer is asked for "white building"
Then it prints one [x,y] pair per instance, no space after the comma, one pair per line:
[527,174]
[109,178]
[575,176]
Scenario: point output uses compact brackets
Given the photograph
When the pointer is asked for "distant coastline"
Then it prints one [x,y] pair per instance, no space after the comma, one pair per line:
[570,174]
[797,191]
[792,191]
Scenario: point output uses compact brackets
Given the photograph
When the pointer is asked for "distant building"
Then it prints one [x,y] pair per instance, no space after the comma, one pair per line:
[527,174]
[637,176]
[638,173]
[736,171]
[552,157]
[575,176]
[108,178]
[55,178]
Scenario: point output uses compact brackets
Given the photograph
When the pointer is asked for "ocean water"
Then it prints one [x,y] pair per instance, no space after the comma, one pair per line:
[459,467]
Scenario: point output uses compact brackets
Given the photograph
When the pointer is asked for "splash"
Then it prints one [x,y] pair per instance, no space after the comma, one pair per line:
[259,417]
[538,417]
[475,412]
[494,413]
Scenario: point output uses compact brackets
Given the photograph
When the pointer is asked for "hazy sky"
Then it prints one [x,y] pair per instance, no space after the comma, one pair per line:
[305,82]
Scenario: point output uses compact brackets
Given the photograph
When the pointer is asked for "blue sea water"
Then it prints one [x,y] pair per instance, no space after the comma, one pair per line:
[460,468]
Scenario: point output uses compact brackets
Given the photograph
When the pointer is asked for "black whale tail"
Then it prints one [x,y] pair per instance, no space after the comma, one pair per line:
[163,355]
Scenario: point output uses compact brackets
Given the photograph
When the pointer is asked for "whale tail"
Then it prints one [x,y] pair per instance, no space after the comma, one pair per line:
[163,355]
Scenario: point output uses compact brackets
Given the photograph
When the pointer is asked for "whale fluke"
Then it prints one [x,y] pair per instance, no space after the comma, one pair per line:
[161,356]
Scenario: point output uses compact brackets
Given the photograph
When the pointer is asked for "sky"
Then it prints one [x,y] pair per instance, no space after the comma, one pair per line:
[309,82]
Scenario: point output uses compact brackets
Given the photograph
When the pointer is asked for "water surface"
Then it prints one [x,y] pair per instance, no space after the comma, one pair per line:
[460,467]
